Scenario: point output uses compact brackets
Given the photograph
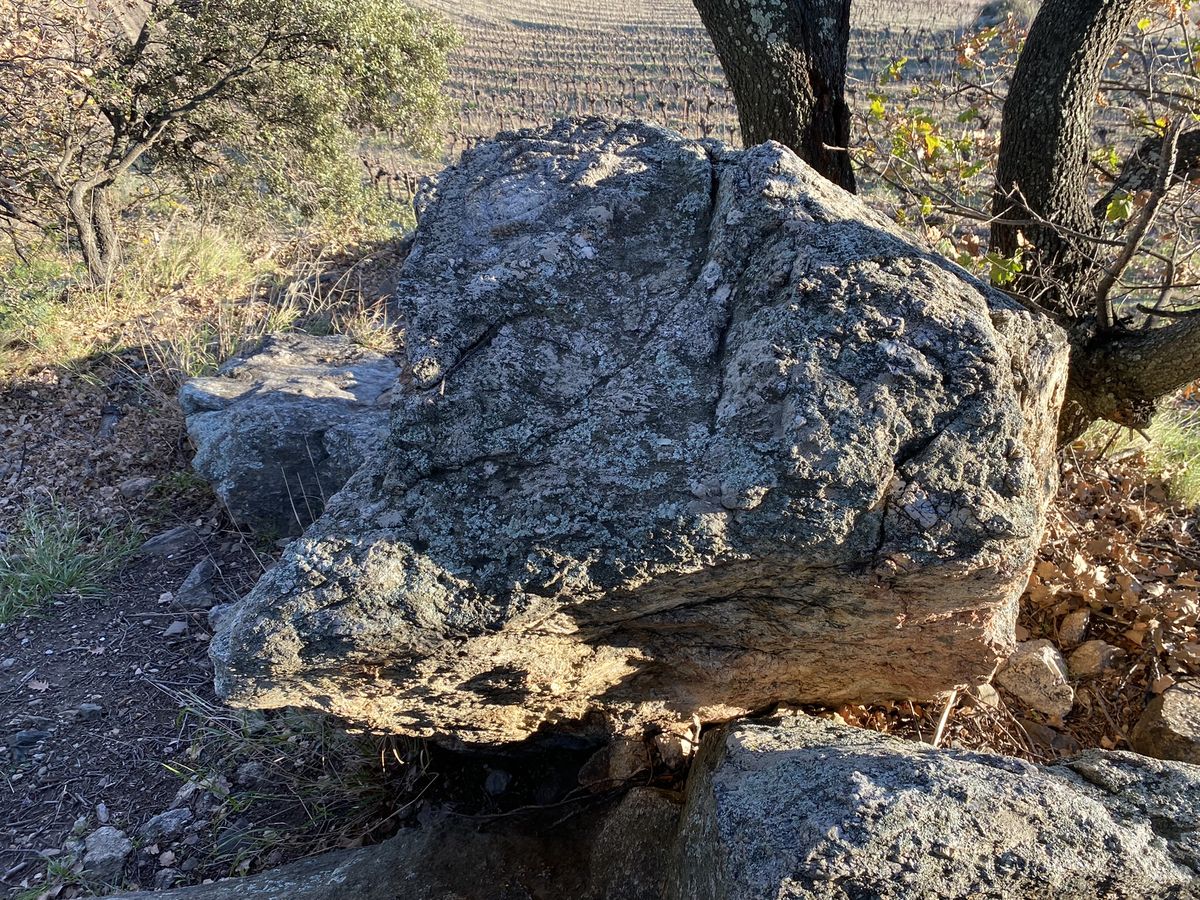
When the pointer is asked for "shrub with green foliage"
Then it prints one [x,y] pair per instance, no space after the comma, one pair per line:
[263,101]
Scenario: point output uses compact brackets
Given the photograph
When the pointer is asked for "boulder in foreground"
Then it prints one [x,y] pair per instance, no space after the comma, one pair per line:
[803,808]
[797,808]
[690,431]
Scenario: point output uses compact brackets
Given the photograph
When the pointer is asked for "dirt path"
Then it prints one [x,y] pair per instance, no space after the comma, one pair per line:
[95,697]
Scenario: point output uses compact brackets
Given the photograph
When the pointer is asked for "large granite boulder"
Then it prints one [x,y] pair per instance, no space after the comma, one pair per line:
[803,808]
[690,430]
[279,430]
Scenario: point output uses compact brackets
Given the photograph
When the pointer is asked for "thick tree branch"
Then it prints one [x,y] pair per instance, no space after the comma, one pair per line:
[1140,170]
[1125,374]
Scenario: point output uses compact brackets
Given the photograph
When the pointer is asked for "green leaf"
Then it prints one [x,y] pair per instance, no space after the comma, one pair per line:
[1004,269]
[1120,207]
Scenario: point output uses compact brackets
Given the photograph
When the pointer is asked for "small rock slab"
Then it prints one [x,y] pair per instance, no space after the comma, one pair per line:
[1170,726]
[803,808]
[105,852]
[166,826]
[196,592]
[279,430]
[1037,674]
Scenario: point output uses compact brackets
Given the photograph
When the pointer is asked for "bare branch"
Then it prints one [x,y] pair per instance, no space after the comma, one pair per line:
[1105,315]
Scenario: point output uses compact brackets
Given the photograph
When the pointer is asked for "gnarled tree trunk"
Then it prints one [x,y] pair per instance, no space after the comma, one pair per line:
[785,61]
[1041,178]
[1117,374]
[94,220]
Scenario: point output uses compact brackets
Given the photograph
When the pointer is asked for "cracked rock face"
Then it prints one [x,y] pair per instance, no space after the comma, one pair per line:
[688,430]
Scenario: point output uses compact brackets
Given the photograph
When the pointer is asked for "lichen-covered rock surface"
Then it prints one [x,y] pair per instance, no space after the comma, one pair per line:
[279,430]
[689,430]
[804,808]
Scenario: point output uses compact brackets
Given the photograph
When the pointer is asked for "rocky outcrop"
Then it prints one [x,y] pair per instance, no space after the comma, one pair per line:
[690,430]
[803,808]
[280,430]
[797,808]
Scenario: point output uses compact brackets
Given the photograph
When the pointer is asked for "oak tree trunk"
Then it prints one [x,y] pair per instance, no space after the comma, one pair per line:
[1041,177]
[94,219]
[785,61]
[1117,373]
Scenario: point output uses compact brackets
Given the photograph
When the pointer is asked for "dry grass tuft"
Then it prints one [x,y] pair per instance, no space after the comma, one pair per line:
[52,554]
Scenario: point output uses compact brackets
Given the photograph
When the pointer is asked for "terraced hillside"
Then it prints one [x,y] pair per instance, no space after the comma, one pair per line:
[525,62]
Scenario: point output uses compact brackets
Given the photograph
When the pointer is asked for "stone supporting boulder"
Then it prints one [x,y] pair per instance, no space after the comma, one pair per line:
[279,430]
[797,808]
[690,430]
[1170,726]
[617,852]
[803,808]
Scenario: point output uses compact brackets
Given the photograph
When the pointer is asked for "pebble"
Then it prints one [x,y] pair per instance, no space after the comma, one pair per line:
[175,629]
[1093,658]
[89,712]
[165,826]
[1073,628]
[1037,674]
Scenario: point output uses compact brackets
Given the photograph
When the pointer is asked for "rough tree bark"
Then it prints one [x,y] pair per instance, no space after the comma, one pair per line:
[1117,373]
[1041,177]
[785,61]
[94,219]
